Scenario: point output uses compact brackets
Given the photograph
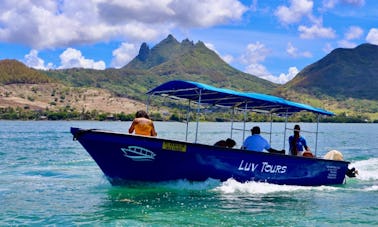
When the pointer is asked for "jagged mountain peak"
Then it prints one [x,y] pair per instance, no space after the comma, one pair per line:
[189,60]
[148,58]
[144,51]
[169,49]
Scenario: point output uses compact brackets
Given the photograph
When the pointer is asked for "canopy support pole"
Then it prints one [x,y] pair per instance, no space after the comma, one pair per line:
[284,143]
[316,135]
[271,126]
[148,102]
[232,120]
[187,121]
[198,110]
[245,119]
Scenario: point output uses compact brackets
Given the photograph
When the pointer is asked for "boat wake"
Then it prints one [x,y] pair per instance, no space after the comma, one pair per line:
[232,186]
[367,172]
[367,169]
[371,188]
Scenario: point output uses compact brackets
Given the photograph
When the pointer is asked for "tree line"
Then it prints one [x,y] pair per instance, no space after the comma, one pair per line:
[18,113]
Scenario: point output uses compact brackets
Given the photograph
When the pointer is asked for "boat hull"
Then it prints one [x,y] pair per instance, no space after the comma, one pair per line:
[125,158]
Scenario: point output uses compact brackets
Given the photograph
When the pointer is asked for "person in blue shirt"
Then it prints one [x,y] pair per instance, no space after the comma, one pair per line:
[297,143]
[256,142]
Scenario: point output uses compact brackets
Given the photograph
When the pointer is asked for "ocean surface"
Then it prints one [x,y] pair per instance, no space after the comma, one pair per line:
[47,179]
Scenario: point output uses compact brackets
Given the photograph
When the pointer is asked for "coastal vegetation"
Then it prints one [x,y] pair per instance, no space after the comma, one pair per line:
[18,113]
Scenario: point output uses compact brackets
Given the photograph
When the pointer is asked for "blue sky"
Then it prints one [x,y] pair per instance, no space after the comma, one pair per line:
[272,39]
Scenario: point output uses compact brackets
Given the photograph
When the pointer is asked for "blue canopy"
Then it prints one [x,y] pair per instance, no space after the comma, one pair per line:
[206,94]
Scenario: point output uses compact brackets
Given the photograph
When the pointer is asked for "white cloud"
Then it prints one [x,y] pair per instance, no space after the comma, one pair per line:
[330,4]
[372,36]
[120,12]
[36,24]
[353,2]
[284,78]
[346,44]
[252,58]
[259,70]
[32,60]
[354,32]
[327,48]
[50,24]
[299,9]
[255,55]
[295,12]
[254,6]
[124,54]
[256,52]
[294,52]
[316,31]
[227,58]
[291,50]
[211,47]
[72,58]
[198,13]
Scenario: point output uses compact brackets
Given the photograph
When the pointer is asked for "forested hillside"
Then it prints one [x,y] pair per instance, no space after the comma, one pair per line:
[12,71]
[343,73]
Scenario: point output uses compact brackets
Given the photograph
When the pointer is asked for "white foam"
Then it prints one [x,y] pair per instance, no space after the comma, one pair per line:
[367,169]
[371,188]
[232,186]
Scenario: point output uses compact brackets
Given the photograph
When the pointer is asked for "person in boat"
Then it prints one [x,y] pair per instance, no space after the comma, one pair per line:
[229,143]
[298,145]
[142,124]
[256,142]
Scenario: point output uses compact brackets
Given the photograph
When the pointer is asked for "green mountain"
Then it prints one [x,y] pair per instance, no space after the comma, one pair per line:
[168,60]
[168,49]
[171,59]
[343,73]
[12,72]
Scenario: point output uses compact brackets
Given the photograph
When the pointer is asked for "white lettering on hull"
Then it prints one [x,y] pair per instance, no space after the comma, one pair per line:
[265,167]
[332,172]
[248,166]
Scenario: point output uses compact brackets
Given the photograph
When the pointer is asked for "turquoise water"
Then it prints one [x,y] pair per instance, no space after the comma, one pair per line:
[48,179]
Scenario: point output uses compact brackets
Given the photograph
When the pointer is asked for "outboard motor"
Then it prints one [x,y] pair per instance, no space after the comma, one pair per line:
[337,155]
[351,172]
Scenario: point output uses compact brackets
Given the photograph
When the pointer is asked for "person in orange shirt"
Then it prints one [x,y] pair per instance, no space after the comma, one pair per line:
[142,124]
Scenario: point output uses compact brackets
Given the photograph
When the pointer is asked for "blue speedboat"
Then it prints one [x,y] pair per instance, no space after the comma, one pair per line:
[126,158]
